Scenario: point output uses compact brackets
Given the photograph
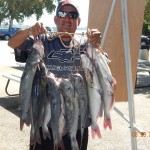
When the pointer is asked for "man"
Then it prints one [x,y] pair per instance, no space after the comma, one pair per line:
[61,59]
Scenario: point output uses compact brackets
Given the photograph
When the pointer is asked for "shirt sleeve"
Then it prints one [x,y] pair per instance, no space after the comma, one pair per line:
[21,54]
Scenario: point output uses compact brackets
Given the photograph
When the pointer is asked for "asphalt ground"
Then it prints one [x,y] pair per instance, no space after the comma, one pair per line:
[119,138]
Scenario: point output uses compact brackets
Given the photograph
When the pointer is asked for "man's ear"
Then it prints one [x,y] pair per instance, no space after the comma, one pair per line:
[79,20]
[55,20]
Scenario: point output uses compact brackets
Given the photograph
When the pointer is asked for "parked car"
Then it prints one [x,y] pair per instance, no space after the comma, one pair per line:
[145,47]
[145,42]
[6,34]
[49,29]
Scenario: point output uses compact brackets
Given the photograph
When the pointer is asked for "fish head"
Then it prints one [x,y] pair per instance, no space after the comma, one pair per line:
[66,87]
[38,46]
[91,51]
[85,61]
[77,80]
[50,84]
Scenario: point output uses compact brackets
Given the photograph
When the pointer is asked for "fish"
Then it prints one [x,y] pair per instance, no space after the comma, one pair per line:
[35,56]
[62,131]
[46,113]
[47,118]
[94,94]
[34,132]
[53,94]
[38,100]
[62,121]
[106,81]
[81,89]
[71,109]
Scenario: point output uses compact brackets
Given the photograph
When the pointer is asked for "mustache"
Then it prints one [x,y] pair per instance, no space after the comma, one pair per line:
[66,23]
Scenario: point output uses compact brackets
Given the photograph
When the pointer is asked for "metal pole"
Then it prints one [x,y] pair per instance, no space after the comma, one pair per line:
[127,119]
[108,22]
[124,10]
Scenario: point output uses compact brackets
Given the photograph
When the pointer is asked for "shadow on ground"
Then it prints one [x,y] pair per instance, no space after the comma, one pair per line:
[18,68]
[11,104]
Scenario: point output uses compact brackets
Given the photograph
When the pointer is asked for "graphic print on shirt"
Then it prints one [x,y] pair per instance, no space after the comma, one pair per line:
[63,61]
[64,56]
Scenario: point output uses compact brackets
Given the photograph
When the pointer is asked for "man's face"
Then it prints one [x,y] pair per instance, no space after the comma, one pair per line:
[67,24]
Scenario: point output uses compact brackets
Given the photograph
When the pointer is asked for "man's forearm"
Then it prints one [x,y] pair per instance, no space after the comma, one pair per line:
[18,38]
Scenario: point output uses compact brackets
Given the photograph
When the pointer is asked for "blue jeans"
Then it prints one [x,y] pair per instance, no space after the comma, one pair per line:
[48,144]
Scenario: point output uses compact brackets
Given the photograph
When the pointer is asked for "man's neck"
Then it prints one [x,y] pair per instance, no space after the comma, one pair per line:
[66,38]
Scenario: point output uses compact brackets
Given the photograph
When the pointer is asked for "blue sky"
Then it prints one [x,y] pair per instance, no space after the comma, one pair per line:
[47,19]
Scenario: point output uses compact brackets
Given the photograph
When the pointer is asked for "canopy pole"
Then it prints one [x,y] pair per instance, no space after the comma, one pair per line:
[124,10]
[108,22]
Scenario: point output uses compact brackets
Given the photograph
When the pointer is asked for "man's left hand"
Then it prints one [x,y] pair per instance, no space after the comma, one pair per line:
[94,37]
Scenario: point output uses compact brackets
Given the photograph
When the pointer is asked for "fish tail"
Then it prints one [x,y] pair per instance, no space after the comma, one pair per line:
[95,131]
[56,146]
[38,137]
[107,123]
[24,119]
[57,143]
[74,143]
[32,141]
[61,145]
[32,133]
[34,146]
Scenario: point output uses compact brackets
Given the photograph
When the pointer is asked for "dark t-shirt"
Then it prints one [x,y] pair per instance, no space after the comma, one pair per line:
[58,59]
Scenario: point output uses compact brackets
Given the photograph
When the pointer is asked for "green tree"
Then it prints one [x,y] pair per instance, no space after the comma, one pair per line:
[2,11]
[146,23]
[147,12]
[19,9]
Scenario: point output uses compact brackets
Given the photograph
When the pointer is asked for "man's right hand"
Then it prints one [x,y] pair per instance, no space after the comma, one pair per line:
[36,30]
[21,35]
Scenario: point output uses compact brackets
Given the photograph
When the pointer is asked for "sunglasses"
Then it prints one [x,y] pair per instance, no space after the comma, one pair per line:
[72,14]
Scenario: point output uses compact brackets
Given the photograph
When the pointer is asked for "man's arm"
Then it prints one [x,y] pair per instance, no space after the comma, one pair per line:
[20,36]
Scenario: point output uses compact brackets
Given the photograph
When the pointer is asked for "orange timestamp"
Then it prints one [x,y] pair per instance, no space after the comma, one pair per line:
[141,134]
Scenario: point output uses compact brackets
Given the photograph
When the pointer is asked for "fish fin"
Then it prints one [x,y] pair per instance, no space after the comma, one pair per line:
[27,122]
[107,123]
[46,133]
[114,82]
[112,102]
[95,131]
[21,124]
[99,92]
[101,110]
[82,132]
